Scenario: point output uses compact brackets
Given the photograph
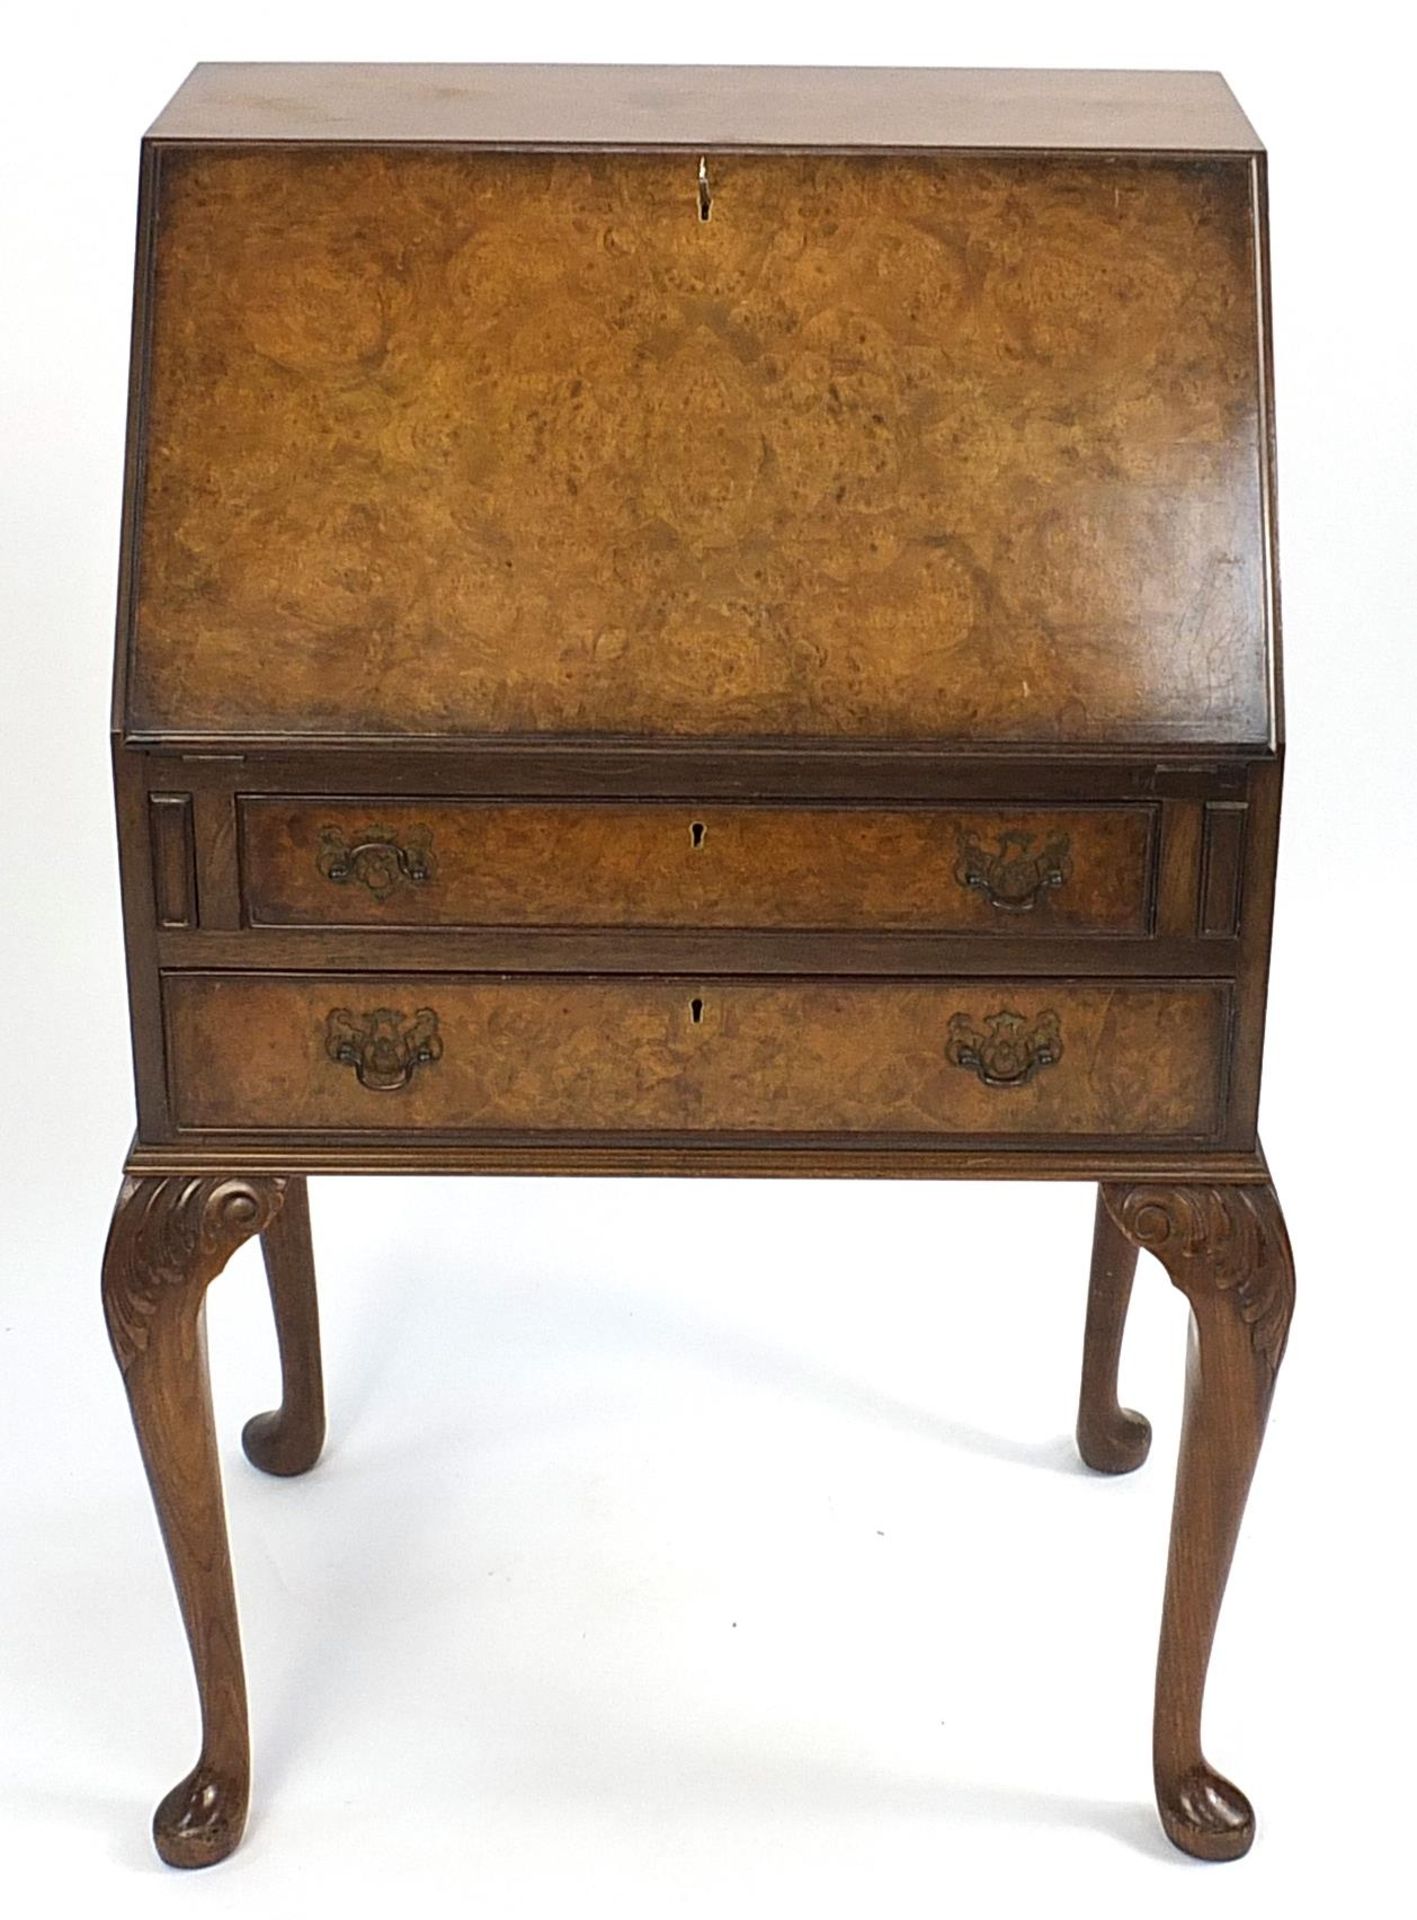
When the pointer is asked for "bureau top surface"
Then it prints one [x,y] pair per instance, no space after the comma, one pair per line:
[658,107]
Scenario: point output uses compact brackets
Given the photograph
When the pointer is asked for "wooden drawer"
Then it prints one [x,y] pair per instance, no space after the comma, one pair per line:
[589,1055]
[375,862]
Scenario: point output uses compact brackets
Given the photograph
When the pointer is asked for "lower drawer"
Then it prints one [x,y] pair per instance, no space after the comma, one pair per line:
[384,1053]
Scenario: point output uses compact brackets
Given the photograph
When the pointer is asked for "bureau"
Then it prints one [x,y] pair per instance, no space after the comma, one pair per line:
[699,621]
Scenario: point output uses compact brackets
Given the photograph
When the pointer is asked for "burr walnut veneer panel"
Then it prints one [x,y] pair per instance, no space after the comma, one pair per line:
[427,863]
[953,447]
[587,1055]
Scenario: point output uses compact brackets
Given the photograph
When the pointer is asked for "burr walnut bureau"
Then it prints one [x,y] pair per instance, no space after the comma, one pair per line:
[699,622]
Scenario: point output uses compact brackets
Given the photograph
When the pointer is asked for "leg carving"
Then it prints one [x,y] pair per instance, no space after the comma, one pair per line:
[1110,1437]
[288,1441]
[169,1239]
[1227,1249]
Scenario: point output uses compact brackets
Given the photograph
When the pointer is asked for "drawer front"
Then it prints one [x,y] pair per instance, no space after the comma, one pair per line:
[1011,870]
[537,1054]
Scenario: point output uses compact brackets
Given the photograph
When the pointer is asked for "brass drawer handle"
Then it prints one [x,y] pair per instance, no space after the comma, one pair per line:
[383,1047]
[376,860]
[1011,1049]
[1013,878]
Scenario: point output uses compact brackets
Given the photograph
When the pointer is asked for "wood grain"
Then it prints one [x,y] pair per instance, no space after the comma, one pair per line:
[169,1240]
[678,953]
[961,448]
[658,865]
[651,518]
[1178,868]
[821,1058]
[1223,868]
[714,106]
[1227,1249]
[681,1156]
[174,861]
[1110,1437]
[288,1440]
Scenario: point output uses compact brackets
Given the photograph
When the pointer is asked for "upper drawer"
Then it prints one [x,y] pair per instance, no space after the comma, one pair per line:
[363,862]
[943,447]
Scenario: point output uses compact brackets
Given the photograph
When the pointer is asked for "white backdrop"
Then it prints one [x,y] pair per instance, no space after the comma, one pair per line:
[683,1546]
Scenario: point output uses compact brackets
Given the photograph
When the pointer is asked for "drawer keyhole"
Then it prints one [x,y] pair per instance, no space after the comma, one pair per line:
[696,1012]
[696,833]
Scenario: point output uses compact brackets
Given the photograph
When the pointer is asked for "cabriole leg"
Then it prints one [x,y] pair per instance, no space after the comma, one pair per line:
[1227,1249]
[288,1441]
[1110,1437]
[170,1237]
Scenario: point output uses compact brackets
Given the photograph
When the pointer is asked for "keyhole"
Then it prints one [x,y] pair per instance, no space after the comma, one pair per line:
[705,191]
[696,834]
[696,1012]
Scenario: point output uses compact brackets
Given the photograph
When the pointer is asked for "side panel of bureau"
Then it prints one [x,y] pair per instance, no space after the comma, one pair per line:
[1013,1059]
[427,863]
